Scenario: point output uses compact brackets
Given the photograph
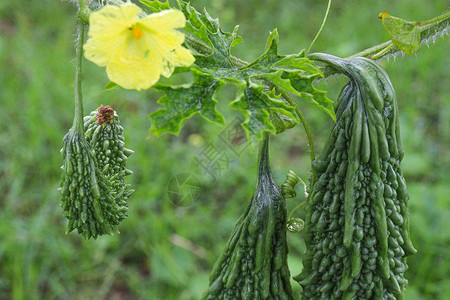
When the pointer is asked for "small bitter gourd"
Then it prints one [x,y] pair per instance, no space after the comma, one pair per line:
[86,195]
[93,198]
[357,222]
[105,137]
[254,263]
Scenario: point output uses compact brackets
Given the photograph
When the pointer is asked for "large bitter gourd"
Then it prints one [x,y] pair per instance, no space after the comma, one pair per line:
[254,263]
[357,223]
[105,137]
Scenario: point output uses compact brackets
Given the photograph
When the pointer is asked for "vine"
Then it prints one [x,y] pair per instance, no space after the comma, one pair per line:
[78,120]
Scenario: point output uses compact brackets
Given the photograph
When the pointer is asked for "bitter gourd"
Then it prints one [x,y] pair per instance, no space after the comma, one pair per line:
[105,137]
[86,195]
[93,193]
[357,222]
[254,262]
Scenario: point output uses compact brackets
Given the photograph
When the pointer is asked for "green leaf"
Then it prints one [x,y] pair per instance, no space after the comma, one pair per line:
[156,6]
[211,45]
[184,101]
[404,34]
[280,121]
[293,73]
[198,41]
[313,96]
[258,106]
[261,85]
[111,85]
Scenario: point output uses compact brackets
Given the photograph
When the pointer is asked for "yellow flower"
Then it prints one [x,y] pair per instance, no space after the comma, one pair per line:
[135,50]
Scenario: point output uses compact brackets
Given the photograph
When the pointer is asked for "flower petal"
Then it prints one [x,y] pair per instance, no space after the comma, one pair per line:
[136,62]
[176,58]
[138,74]
[109,32]
[165,19]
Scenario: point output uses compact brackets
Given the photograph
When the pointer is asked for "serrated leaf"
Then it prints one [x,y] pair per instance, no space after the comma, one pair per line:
[156,6]
[213,46]
[219,64]
[292,73]
[404,34]
[257,105]
[262,85]
[297,63]
[278,80]
[280,121]
[271,61]
[198,19]
[198,41]
[313,96]
[260,116]
[184,101]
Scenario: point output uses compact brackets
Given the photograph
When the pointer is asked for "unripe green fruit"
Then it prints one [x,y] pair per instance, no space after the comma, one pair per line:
[357,228]
[105,137]
[93,192]
[253,265]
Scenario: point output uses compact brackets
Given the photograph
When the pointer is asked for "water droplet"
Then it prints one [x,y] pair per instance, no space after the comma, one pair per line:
[295,225]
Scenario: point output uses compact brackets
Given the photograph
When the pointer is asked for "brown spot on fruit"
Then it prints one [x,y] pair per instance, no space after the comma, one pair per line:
[104,114]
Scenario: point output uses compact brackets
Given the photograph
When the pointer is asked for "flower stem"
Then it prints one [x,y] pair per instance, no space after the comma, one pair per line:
[78,119]
[84,11]
[307,131]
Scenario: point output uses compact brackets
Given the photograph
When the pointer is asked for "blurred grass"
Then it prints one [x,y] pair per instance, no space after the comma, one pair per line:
[148,261]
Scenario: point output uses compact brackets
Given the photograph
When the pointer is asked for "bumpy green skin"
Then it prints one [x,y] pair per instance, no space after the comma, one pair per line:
[86,195]
[107,144]
[357,224]
[254,263]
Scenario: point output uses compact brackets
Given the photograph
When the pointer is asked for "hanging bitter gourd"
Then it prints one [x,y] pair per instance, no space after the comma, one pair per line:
[254,263]
[93,192]
[105,137]
[86,195]
[357,223]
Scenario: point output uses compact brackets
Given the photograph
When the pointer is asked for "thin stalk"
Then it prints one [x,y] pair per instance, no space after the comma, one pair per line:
[78,119]
[437,19]
[321,27]
[295,208]
[382,52]
[370,51]
[307,131]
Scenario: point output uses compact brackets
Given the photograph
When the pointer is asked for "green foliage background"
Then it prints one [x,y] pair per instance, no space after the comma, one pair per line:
[166,251]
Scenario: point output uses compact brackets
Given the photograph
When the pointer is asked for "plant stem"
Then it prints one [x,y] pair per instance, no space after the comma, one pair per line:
[295,208]
[370,51]
[84,11]
[78,119]
[437,19]
[426,28]
[382,52]
[307,131]
[321,27]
